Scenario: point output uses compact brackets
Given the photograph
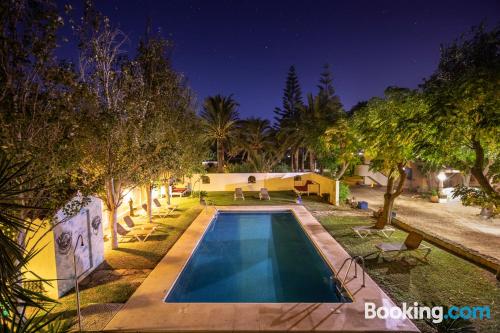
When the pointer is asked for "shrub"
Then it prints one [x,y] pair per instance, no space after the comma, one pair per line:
[282,167]
[344,192]
[476,197]
[240,168]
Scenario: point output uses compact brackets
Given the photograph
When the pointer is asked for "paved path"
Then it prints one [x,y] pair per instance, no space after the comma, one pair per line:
[451,222]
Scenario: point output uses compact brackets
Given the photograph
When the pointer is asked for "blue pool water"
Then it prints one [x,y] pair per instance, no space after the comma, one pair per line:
[257,257]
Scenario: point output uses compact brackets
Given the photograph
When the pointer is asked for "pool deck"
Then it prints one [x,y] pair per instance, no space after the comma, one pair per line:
[146,310]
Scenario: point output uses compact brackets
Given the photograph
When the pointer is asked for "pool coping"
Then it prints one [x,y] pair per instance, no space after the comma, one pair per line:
[147,311]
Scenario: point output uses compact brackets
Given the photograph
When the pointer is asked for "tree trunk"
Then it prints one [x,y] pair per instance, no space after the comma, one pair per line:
[113,201]
[296,159]
[390,195]
[291,161]
[342,170]
[113,220]
[149,196]
[478,168]
[302,161]
[220,156]
[466,179]
[311,161]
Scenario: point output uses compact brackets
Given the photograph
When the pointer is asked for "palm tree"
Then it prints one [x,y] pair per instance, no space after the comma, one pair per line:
[256,141]
[21,308]
[255,136]
[220,117]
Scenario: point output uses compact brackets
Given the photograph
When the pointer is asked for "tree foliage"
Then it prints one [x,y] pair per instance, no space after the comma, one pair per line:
[220,118]
[379,126]
[462,124]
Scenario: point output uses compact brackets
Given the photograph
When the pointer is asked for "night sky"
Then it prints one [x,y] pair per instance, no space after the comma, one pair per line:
[246,47]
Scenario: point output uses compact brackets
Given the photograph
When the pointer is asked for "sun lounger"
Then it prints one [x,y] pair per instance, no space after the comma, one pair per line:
[307,188]
[143,226]
[412,244]
[179,191]
[366,230]
[238,193]
[170,208]
[133,233]
[264,194]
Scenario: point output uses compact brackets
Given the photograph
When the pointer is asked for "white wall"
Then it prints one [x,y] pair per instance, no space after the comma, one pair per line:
[230,181]
[88,223]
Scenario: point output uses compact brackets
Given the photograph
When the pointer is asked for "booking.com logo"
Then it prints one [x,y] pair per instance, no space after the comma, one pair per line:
[435,313]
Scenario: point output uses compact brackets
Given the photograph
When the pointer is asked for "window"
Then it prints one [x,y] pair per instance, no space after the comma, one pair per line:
[251,180]
[205,180]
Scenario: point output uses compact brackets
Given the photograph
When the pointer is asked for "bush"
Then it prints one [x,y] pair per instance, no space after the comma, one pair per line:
[200,193]
[344,192]
[477,197]
[283,167]
[240,168]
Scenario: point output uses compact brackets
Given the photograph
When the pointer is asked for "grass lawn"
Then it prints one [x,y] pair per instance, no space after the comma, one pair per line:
[124,269]
[445,280]
[252,198]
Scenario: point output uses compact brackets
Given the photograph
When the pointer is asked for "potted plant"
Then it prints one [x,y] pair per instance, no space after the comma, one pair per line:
[434,196]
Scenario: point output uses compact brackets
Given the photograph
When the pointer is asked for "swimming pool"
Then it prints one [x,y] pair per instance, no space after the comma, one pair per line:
[255,257]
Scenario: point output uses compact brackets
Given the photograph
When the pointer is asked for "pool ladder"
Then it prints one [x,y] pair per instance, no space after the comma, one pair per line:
[355,260]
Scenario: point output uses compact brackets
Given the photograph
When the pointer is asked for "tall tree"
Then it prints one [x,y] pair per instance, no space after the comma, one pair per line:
[339,147]
[37,120]
[463,122]
[256,141]
[325,85]
[111,112]
[383,130]
[288,116]
[170,134]
[220,117]
[321,112]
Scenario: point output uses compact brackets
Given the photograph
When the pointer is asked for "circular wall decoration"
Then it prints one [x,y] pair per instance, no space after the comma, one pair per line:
[64,242]
[96,222]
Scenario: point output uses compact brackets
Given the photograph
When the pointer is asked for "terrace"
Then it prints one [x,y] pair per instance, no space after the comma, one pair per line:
[406,280]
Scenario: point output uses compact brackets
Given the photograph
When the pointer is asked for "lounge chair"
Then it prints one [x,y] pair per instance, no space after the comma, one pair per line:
[143,226]
[179,191]
[170,208]
[133,233]
[263,194]
[307,188]
[366,230]
[238,193]
[412,244]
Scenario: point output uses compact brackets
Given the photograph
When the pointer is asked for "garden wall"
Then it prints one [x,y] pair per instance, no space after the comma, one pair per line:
[255,181]
[57,244]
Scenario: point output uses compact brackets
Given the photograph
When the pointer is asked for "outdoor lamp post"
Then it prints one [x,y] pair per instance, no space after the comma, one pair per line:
[441,177]
[77,290]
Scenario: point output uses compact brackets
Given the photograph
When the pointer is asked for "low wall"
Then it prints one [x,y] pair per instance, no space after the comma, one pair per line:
[230,181]
[271,181]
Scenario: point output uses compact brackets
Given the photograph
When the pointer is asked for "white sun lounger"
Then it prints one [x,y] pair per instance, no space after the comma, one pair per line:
[264,194]
[138,234]
[170,208]
[142,226]
[238,194]
[366,230]
[412,244]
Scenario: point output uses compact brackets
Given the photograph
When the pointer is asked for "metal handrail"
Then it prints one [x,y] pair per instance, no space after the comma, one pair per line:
[351,260]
